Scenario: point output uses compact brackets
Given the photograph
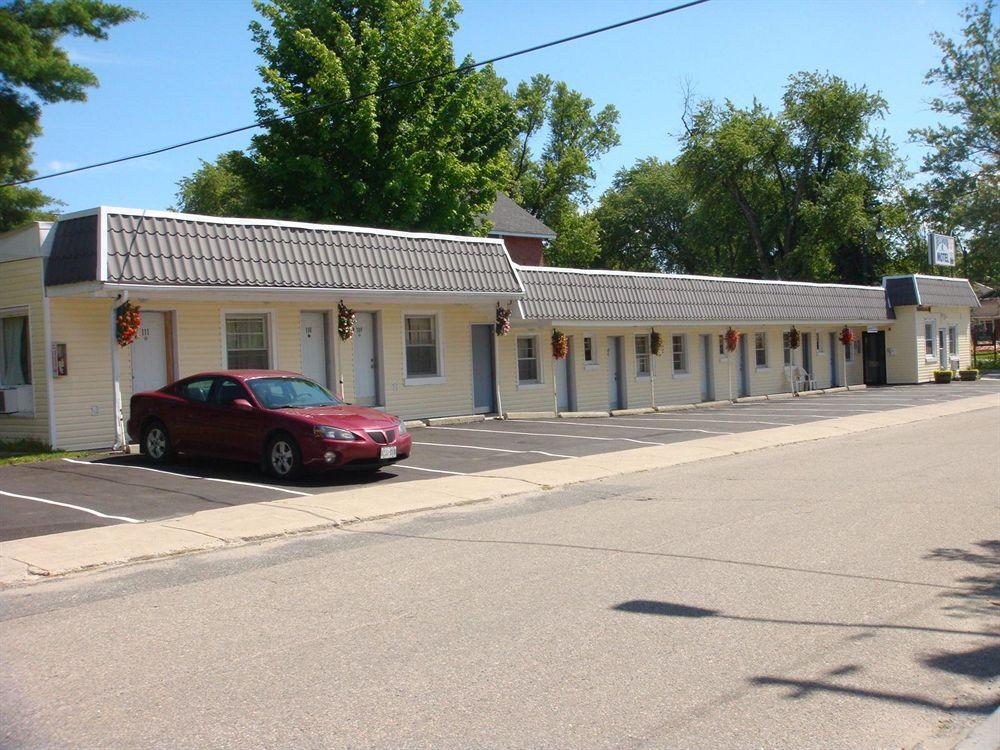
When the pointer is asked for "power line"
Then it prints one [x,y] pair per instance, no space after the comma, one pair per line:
[363,96]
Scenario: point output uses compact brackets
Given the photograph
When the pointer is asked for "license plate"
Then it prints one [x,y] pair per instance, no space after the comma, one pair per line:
[388,451]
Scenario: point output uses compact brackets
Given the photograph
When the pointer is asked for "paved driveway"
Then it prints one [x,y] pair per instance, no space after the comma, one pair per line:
[67,494]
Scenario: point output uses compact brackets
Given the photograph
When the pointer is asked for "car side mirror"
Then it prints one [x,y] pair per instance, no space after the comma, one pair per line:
[241,403]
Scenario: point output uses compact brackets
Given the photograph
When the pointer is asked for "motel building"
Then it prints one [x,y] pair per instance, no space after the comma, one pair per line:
[251,293]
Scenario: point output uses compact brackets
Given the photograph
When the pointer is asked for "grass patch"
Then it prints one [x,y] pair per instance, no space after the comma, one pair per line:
[26,451]
[987,361]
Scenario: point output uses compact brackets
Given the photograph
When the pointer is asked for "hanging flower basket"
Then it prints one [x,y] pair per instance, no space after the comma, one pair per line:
[503,320]
[732,337]
[345,321]
[847,336]
[560,345]
[794,338]
[128,320]
[656,343]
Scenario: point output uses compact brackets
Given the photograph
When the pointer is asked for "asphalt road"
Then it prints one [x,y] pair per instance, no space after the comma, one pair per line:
[840,593]
[64,495]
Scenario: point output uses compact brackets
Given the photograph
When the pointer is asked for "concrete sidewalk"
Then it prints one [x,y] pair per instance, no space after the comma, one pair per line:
[23,560]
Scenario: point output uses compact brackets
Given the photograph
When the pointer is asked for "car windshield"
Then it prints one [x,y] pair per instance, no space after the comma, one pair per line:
[291,393]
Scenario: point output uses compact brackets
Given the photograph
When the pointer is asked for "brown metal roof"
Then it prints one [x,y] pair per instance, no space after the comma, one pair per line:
[941,291]
[74,253]
[167,249]
[572,295]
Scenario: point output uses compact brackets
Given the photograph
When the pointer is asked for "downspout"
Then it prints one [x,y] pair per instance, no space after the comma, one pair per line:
[496,373]
[121,443]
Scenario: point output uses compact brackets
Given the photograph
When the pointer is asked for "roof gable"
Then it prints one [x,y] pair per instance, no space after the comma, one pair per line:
[508,218]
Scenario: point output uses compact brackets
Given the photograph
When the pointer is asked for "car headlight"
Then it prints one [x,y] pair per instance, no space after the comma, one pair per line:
[333,433]
[400,427]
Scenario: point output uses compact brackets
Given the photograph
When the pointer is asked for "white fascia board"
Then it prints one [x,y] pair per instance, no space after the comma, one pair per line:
[748,324]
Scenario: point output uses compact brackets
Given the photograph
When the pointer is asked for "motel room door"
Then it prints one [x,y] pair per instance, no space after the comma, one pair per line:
[707,390]
[873,348]
[615,395]
[315,358]
[483,384]
[151,353]
[564,379]
[742,370]
[833,360]
[366,364]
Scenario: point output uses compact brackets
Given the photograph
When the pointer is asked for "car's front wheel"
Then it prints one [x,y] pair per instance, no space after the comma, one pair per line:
[282,458]
[156,443]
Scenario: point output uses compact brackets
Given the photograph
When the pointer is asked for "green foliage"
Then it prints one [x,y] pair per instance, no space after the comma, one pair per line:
[962,196]
[554,185]
[808,184]
[219,188]
[429,156]
[35,70]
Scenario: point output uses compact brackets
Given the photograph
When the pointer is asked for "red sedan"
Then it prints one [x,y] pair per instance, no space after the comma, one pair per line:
[281,420]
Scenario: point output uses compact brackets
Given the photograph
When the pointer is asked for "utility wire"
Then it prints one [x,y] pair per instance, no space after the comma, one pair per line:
[365,95]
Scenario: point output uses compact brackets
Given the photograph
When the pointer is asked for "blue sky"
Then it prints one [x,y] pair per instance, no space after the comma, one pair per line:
[189,68]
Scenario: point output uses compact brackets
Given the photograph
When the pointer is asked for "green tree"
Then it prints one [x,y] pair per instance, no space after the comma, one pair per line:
[219,188]
[962,195]
[429,156]
[35,70]
[554,185]
[807,182]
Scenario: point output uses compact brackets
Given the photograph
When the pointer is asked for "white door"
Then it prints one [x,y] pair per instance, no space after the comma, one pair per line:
[706,368]
[149,354]
[314,352]
[365,360]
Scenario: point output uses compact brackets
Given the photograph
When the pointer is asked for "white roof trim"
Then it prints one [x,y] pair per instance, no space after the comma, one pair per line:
[151,213]
[647,274]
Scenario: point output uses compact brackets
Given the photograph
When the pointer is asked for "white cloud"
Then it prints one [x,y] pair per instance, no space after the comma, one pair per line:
[58,166]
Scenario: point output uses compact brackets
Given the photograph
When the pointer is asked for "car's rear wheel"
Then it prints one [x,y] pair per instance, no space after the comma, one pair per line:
[282,458]
[156,443]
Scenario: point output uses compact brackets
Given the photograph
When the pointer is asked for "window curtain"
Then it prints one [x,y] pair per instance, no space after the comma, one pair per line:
[15,352]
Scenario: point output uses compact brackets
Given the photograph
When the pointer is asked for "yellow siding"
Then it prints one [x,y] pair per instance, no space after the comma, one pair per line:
[84,402]
[21,286]
[907,361]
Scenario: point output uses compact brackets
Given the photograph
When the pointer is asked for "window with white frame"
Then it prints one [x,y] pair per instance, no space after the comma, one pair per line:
[527,360]
[760,349]
[786,349]
[248,345]
[643,360]
[15,349]
[722,347]
[421,340]
[929,338]
[678,347]
[589,351]
[953,340]
[848,353]
[819,342]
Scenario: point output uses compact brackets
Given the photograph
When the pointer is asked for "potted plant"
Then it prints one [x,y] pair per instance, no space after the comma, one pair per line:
[502,325]
[560,345]
[846,338]
[970,374]
[345,321]
[732,339]
[942,376]
[128,321]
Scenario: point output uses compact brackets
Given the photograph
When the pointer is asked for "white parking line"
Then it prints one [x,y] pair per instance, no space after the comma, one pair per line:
[698,419]
[578,423]
[190,476]
[432,471]
[497,450]
[548,434]
[91,511]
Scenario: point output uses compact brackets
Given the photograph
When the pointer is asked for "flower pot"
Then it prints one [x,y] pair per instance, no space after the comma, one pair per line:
[942,376]
[968,374]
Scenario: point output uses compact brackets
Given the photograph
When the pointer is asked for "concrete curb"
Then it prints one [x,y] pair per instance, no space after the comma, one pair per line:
[711,404]
[530,415]
[986,736]
[23,560]
[631,412]
[780,396]
[413,423]
[583,414]
[675,407]
[465,419]
[750,399]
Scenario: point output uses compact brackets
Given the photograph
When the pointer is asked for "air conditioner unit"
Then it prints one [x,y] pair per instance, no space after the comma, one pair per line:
[8,401]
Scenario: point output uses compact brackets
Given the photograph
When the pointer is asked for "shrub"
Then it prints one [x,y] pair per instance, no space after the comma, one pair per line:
[942,376]
[968,374]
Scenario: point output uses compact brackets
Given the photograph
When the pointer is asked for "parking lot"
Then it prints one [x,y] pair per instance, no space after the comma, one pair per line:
[67,494]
